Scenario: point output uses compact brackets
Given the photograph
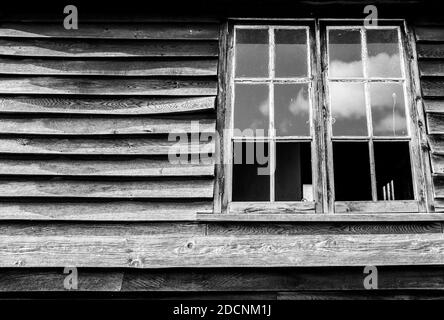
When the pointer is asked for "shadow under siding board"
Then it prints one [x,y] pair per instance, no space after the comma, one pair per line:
[103,210]
[316,228]
[435,106]
[100,86]
[430,51]
[430,34]
[108,67]
[106,105]
[432,86]
[136,167]
[69,188]
[106,125]
[152,31]
[438,182]
[78,48]
[431,68]
[96,146]
[222,251]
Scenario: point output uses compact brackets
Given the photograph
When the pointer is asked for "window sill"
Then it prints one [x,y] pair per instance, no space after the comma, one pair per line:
[322,217]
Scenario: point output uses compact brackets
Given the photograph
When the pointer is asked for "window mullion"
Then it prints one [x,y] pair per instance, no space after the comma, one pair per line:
[369,115]
[271,133]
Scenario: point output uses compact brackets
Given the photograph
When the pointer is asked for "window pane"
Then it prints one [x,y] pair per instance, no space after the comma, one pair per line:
[291,53]
[251,110]
[251,175]
[352,171]
[251,53]
[388,109]
[348,109]
[383,53]
[393,171]
[291,109]
[345,57]
[293,181]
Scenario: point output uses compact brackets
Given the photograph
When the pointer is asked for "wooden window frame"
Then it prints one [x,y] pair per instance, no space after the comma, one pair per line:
[407,206]
[322,176]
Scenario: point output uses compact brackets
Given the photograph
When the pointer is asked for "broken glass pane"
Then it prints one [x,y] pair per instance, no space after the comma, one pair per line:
[393,171]
[352,171]
[251,174]
[293,179]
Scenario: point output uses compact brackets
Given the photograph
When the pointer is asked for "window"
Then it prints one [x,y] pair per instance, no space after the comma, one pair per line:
[320,123]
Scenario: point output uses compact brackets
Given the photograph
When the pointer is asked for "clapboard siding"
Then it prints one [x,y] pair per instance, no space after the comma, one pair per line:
[105,125]
[152,31]
[85,118]
[151,251]
[107,67]
[105,105]
[100,86]
[67,48]
[430,49]
[116,210]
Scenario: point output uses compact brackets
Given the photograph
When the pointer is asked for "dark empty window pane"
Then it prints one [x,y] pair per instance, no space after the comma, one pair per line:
[293,180]
[345,57]
[292,109]
[251,175]
[251,109]
[388,109]
[251,53]
[383,53]
[352,171]
[291,53]
[393,171]
[348,109]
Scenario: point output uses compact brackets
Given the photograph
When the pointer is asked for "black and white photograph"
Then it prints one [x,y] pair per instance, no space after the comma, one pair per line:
[225,156]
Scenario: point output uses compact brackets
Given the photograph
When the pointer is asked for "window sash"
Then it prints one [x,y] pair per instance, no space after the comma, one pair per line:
[321,144]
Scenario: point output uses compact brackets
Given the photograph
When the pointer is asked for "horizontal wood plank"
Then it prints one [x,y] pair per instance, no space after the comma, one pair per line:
[191,188]
[211,251]
[433,86]
[438,182]
[430,51]
[104,146]
[436,106]
[105,229]
[435,123]
[377,206]
[106,106]
[271,208]
[149,167]
[437,163]
[95,86]
[106,67]
[152,31]
[243,228]
[220,279]
[436,143]
[319,217]
[105,125]
[432,34]
[135,210]
[66,48]
[431,68]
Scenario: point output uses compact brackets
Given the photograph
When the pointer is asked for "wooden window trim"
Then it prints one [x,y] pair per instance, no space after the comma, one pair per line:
[345,210]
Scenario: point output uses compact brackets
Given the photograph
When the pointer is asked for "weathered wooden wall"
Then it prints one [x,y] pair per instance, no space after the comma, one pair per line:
[85,181]
[430,53]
